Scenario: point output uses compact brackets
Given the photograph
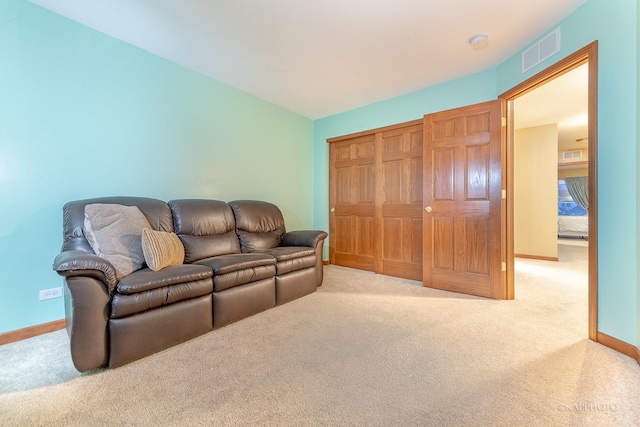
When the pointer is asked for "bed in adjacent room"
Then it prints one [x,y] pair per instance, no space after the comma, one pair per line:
[573,226]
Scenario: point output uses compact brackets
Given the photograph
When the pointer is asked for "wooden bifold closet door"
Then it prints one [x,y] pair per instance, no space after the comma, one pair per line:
[376,200]
[463,200]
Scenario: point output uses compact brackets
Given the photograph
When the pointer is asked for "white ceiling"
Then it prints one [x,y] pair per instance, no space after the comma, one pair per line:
[565,101]
[323,57]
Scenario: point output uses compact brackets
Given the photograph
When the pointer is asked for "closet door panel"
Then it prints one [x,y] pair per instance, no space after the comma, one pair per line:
[463,191]
[376,192]
[352,199]
[399,204]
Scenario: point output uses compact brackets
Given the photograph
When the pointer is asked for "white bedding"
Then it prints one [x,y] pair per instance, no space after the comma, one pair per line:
[573,224]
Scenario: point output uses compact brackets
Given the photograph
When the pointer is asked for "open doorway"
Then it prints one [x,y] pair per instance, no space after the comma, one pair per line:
[587,58]
[550,198]
[551,159]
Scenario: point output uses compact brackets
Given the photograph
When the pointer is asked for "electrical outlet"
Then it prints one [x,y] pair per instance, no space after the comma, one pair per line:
[50,293]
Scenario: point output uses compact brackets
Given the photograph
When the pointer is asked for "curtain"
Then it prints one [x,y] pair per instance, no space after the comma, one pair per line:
[579,189]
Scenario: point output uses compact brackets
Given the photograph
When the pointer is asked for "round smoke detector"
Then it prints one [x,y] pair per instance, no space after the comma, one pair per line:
[479,42]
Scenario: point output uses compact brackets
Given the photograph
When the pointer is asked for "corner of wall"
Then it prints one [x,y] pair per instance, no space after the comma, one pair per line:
[638,174]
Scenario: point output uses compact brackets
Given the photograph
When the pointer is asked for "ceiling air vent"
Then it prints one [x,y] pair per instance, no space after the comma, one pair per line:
[542,50]
[571,155]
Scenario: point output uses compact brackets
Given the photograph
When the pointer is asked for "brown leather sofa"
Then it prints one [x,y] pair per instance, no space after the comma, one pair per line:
[239,261]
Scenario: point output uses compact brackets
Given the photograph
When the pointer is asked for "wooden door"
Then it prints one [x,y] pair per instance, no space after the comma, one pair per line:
[463,199]
[399,206]
[352,197]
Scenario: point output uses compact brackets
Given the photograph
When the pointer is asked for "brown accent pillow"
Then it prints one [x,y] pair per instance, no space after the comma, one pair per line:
[114,233]
[161,249]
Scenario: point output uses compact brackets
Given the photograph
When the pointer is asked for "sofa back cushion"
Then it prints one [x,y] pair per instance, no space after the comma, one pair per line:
[206,228]
[155,211]
[259,225]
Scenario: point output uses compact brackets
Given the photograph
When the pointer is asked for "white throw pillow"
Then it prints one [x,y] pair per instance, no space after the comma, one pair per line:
[115,234]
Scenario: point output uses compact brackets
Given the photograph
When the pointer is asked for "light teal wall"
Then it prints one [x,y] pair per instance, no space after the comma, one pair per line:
[85,115]
[614,25]
[637,163]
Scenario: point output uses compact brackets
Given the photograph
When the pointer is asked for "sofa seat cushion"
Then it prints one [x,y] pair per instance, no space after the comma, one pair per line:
[147,279]
[239,269]
[284,253]
[147,289]
[224,264]
[284,267]
[292,258]
[243,277]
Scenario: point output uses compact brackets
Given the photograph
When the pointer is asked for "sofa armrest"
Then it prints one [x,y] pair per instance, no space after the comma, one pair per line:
[78,263]
[309,238]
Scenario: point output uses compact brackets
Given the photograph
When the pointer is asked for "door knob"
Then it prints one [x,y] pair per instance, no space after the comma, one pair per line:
[428,209]
[333,209]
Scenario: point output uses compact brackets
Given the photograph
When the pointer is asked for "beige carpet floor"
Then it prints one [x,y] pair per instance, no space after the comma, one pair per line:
[364,350]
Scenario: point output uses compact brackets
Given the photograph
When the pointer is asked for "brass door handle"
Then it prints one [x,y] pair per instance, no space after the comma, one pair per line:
[333,209]
[428,209]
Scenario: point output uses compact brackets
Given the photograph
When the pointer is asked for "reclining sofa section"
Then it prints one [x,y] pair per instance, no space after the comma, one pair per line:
[239,260]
